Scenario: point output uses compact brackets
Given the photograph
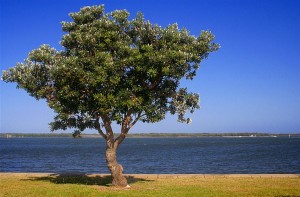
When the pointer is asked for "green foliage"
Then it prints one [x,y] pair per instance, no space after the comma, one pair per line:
[114,67]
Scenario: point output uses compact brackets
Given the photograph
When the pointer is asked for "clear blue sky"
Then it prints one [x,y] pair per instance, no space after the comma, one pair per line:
[252,84]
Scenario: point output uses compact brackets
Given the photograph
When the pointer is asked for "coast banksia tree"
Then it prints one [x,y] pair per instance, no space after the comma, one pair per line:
[113,69]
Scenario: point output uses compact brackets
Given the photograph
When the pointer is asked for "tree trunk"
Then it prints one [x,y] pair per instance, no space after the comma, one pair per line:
[116,169]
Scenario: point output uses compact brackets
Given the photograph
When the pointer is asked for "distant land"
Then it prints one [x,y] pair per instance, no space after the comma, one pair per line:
[148,135]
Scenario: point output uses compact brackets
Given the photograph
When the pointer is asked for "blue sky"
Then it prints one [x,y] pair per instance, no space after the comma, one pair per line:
[252,84]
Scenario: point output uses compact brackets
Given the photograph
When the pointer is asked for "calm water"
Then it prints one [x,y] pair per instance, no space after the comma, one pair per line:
[153,155]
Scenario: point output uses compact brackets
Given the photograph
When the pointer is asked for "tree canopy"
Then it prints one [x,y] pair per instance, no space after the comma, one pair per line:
[114,69]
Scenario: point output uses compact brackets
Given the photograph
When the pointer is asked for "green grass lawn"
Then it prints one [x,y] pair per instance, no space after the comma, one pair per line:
[93,185]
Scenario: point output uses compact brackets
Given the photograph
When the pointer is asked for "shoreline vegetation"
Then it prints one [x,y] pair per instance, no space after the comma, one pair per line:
[43,184]
[147,135]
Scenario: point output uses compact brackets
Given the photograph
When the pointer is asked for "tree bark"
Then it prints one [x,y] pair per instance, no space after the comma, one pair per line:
[112,144]
[116,169]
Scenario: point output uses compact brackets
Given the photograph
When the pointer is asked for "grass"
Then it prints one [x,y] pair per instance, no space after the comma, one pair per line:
[92,185]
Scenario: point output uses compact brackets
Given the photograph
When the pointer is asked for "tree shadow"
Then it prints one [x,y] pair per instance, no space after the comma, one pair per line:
[83,179]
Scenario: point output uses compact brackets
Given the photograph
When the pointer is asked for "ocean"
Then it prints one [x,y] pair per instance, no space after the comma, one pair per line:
[202,155]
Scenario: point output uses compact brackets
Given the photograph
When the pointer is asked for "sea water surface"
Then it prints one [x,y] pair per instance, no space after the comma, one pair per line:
[214,155]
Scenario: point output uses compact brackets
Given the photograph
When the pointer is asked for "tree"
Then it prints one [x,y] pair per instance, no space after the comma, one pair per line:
[113,69]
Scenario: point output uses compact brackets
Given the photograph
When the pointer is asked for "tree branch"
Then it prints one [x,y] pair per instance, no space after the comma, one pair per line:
[135,121]
[124,129]
[97,126]
[109,132]
[126,126]
[126,120]
[154,84]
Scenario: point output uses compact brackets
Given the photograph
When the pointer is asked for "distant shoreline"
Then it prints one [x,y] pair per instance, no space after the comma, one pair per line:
[148,135]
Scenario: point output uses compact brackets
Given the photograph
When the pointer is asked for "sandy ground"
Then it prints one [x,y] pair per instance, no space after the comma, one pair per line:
[153,176]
